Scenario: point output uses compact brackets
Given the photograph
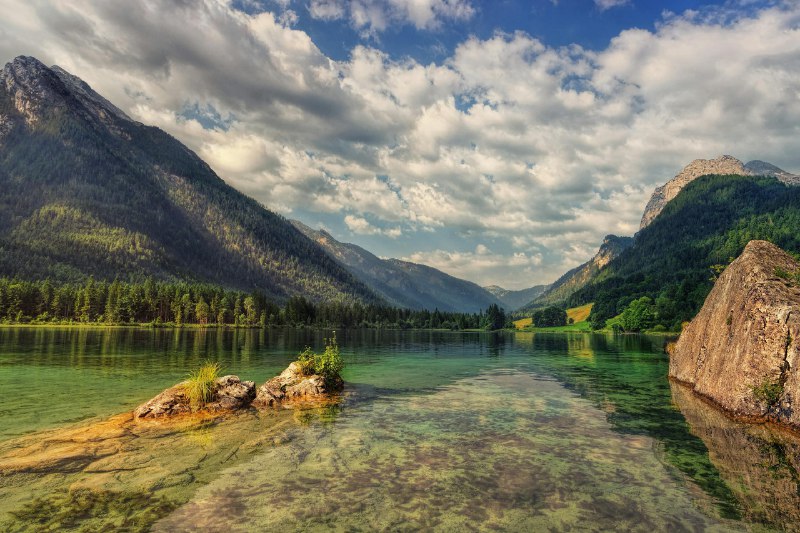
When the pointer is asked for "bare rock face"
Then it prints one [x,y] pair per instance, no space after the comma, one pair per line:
[742,351]
[762,168]
[230,394]
[292,385]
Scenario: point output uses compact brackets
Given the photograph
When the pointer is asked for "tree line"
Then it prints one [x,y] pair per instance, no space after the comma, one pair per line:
[176,304]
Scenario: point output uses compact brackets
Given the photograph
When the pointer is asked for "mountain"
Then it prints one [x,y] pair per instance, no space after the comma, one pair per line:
[676,256]
[86,191]
[513,300]
[722,165]
[563,289]
[762,168]
[402,283]
[578,277]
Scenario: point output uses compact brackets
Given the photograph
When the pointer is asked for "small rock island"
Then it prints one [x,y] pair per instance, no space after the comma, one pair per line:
[312,378]
[742,350]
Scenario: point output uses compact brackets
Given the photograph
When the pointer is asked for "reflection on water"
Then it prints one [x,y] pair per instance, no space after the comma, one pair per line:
[438,430]
[758,462]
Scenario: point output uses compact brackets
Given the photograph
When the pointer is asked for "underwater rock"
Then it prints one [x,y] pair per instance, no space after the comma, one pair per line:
[742,350]
[293,385]
[230,393]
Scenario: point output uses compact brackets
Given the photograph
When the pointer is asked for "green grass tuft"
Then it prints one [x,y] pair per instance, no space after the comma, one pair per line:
[200,383]
[768,392]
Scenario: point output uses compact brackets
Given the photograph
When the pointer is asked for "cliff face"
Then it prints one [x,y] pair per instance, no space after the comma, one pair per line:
[742,350]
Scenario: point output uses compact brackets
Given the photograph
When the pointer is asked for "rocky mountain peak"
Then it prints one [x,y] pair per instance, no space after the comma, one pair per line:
[762,168]
[31,87]
[611,247]
[724,164]
[34,90]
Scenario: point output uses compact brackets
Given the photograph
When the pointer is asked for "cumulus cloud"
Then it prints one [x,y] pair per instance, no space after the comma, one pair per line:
[532,151]
[361,226]
[481,262]
[374,16]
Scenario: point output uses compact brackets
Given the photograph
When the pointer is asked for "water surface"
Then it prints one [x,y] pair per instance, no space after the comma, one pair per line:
[441,431]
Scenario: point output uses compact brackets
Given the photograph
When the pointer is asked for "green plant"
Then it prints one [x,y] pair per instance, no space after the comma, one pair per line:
[306,361]
[329,363]
[769,392]
[200,383]
[782,273]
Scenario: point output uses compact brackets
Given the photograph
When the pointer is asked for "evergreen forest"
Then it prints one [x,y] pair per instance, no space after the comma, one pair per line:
[159,303]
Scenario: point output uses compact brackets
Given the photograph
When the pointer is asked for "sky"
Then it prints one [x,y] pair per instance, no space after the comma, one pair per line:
[497,141]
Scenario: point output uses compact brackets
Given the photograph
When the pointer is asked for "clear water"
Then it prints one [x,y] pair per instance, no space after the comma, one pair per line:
[437,431]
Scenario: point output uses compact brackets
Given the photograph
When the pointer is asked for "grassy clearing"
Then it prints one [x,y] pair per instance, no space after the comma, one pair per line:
[580,314]
[523,323]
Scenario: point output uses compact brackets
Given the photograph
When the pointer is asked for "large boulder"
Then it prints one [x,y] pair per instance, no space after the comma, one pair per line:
[742,350]
[292,385]
[230,393]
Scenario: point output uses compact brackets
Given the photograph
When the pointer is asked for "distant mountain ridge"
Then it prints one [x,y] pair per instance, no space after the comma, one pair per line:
[513,300]
[402,283]
[86,191]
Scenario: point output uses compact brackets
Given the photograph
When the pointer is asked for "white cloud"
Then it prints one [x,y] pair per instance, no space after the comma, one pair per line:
[531,151]
[608,4]
[374,16]
[507,270]
[327,9]
[361,226]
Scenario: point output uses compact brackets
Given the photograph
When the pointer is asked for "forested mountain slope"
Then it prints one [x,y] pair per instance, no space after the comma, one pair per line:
[708,223]
[84,190]
[573,280]
[402,283]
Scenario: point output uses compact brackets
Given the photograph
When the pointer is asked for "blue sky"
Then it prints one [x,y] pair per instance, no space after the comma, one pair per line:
[587,23]
[497,141]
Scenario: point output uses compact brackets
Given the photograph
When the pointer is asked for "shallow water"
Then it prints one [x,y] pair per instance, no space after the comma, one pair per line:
[437,431]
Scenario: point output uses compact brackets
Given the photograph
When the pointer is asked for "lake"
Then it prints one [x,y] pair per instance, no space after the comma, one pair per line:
[436,431]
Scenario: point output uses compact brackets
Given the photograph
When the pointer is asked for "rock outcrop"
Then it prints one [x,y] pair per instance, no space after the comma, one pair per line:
[292,385]
[230,394]
[742,350]
[723,164]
